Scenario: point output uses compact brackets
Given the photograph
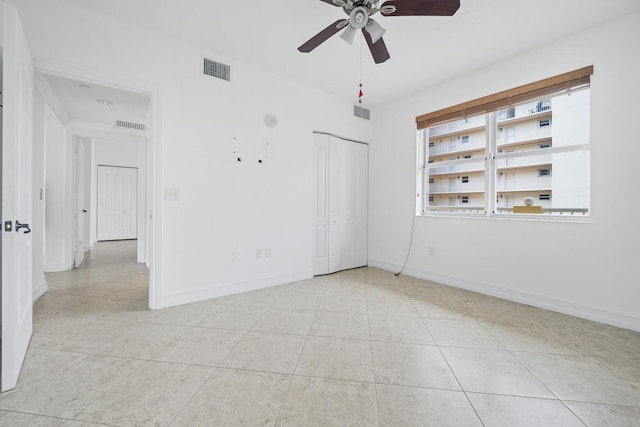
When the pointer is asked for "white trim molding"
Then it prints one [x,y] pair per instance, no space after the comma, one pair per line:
[233,288]
[596,314]
[39,289]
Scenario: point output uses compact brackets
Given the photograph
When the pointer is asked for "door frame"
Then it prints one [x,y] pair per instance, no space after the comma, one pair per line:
[79,202]
[150,165]
[326,221]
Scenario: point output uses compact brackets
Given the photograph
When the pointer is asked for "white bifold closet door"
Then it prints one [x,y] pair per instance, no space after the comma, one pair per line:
[117,203]
[340,202]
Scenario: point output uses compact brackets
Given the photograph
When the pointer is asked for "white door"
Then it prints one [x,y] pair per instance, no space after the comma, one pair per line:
[320,204]
[340,204]
[80,210]
[117,203]
[362,205]
[17,158]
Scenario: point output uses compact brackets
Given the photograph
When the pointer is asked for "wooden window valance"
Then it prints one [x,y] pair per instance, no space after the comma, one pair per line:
[571,80]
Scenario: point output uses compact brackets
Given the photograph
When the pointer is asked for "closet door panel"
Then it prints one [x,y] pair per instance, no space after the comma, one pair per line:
[335,231]
[340,203]
[361,205]
[320,205]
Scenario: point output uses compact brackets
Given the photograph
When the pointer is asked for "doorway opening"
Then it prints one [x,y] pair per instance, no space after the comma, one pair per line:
[105,123]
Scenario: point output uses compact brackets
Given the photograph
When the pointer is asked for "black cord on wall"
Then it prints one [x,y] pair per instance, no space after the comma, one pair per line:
[413,221]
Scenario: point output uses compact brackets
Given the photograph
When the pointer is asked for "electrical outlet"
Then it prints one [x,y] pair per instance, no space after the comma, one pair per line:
[172,194]
[259,253]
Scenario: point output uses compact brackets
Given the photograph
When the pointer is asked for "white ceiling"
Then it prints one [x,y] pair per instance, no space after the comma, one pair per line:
[424,50]
[80,102]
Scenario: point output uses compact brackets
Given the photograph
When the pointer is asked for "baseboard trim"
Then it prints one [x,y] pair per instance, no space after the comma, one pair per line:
[39,290]
[55,268]
[597,314]
[233,288]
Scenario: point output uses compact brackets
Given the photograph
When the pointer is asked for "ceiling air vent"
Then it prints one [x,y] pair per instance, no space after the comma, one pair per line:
[216,69]
[130,125]
[361,112]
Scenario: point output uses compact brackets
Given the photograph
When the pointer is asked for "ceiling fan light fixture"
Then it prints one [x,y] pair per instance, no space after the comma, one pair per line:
[388,9]
[375,30]
[349,34]
[359,17]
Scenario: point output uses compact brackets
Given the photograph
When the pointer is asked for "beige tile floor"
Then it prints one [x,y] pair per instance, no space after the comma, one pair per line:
[357,348]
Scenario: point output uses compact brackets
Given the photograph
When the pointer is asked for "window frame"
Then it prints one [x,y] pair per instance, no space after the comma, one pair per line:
[490,106]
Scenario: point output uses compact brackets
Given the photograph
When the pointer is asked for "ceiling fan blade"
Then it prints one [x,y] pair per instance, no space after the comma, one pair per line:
[422,7]
[323,35]
[378,49]
[330,2]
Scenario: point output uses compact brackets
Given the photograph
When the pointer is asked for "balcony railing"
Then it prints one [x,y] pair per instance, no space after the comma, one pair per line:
[524,134]
[524,161]
[525,184]
[457,126]
[524,110]
[445,167]
[456,188]
[447,149]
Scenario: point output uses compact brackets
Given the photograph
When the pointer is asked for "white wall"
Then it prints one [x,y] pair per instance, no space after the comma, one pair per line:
[224,205]
[38,214]
[116,153]
[56,194]
[585,269]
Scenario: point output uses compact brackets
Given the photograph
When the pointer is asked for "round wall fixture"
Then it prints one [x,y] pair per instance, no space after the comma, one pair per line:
[271,120]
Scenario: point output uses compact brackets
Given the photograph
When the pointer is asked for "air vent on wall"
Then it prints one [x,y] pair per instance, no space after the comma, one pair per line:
[130,125]
[361,112]
[216,69]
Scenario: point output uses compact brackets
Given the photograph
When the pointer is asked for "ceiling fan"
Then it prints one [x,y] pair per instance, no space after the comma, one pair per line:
[360,12]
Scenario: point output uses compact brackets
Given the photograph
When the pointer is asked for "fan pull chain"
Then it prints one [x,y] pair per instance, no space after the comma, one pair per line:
[360,94]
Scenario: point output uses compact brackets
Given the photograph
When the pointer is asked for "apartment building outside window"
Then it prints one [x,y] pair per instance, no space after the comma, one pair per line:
[536,148]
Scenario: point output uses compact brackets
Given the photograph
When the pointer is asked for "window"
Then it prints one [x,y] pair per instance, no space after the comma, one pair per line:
[500,174]
[431,180]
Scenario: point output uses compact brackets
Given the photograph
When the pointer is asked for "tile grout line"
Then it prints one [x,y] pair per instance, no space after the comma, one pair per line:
[451,369]
[373,363]
[306,338]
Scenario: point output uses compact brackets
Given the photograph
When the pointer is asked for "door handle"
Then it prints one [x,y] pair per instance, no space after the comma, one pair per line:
[84,211]
[20,226]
